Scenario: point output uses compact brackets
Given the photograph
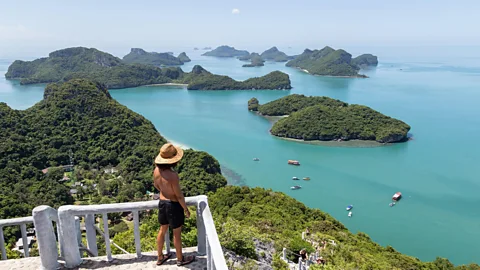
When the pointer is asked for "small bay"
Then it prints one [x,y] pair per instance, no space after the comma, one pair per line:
[435,91]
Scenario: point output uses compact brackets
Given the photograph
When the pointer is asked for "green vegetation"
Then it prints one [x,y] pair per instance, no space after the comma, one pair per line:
[365,60]
[296,102]
[200,79]
[273,54]
[323,118]
[183,57]
[253,104]
[92,64]
[330,62]
[80,119]
[140,56]
[226,51]
[103,68]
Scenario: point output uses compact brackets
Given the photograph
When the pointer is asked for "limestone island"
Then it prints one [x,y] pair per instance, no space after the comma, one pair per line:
[106,69]
[226,51]
[183,57]
[272,54]
[255,61]
[327,119]
[140,56]
[201,79]
[330,62]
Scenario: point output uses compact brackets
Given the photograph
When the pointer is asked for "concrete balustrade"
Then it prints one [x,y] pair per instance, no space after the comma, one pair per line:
[70,238]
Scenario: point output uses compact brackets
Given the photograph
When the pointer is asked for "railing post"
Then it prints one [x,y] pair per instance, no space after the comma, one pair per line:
[300,263]
[284,254]
[91,234]
[167,242]
[47,244]
[136,233]
[26,247]
[78,231]
[108,250]
[201,232]
[68,237]
[2,245]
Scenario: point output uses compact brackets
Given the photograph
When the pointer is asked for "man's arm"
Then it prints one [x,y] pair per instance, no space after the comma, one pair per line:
[175,182]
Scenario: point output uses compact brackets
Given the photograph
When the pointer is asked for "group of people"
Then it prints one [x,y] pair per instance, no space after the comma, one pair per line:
[318,248]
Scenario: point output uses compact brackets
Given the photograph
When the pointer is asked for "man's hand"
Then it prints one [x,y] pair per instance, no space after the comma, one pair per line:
[187,213]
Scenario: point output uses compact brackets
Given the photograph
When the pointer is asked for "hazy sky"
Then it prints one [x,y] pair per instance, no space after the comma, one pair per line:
[40,26]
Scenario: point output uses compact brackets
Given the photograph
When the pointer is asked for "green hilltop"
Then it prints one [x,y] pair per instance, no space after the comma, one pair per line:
[140,56]
[226,51]
[325,119]
[330,62]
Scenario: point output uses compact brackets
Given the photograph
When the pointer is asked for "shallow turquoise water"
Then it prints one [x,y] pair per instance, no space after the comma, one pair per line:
[436,92]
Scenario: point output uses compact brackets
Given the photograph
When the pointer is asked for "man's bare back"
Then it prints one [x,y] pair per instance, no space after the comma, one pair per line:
[164,180]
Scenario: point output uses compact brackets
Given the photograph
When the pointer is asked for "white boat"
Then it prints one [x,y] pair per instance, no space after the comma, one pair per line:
[295,187]
[295,178]
[349,207]
[350,214]
[256,159]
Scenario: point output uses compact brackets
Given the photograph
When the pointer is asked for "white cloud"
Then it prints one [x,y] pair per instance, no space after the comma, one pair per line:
[17,32]
[235,11]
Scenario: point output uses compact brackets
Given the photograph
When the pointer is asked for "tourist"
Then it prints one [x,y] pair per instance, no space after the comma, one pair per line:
[303,254]
[172,208]
[321,260]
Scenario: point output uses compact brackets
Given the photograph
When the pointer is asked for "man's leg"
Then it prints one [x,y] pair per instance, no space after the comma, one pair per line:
[160,240]
[177,241]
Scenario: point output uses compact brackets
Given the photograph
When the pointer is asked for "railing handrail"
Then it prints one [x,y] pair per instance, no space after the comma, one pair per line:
[22,221]
[16,221]
[212,238]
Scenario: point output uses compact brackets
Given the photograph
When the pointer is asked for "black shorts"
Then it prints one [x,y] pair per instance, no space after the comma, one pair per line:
[170,213]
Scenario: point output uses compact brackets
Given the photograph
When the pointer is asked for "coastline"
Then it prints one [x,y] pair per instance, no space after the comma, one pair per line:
[332,143]
[168,84]
[360,76]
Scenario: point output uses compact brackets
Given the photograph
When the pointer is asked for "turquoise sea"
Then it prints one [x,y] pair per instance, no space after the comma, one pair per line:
[435,90]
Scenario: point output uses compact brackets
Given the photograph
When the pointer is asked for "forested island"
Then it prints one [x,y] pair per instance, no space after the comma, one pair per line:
[226,51]
[201,79]
[326,119]
[330,62]
[140,56]
[255,61]
[98,66]
[272,54]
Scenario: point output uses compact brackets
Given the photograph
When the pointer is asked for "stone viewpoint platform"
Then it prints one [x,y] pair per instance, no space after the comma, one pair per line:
[120,262]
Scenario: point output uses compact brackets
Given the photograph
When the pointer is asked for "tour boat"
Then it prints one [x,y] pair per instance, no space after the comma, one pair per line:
[293,162]
[295,178]
[295,187]
[306,178]
[349,207]
[256,159]
[397,196]
[350,214]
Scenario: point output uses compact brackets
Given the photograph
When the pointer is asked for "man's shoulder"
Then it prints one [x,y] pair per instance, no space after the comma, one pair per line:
[170,175]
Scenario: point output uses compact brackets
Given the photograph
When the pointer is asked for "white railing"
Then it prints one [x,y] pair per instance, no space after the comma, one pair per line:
[22,221]
[69,235]
[207,238]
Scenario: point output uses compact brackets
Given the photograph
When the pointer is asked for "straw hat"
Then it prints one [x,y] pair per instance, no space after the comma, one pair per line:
[169,154]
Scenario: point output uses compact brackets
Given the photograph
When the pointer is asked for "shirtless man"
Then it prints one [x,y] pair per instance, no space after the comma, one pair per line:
[171,207]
